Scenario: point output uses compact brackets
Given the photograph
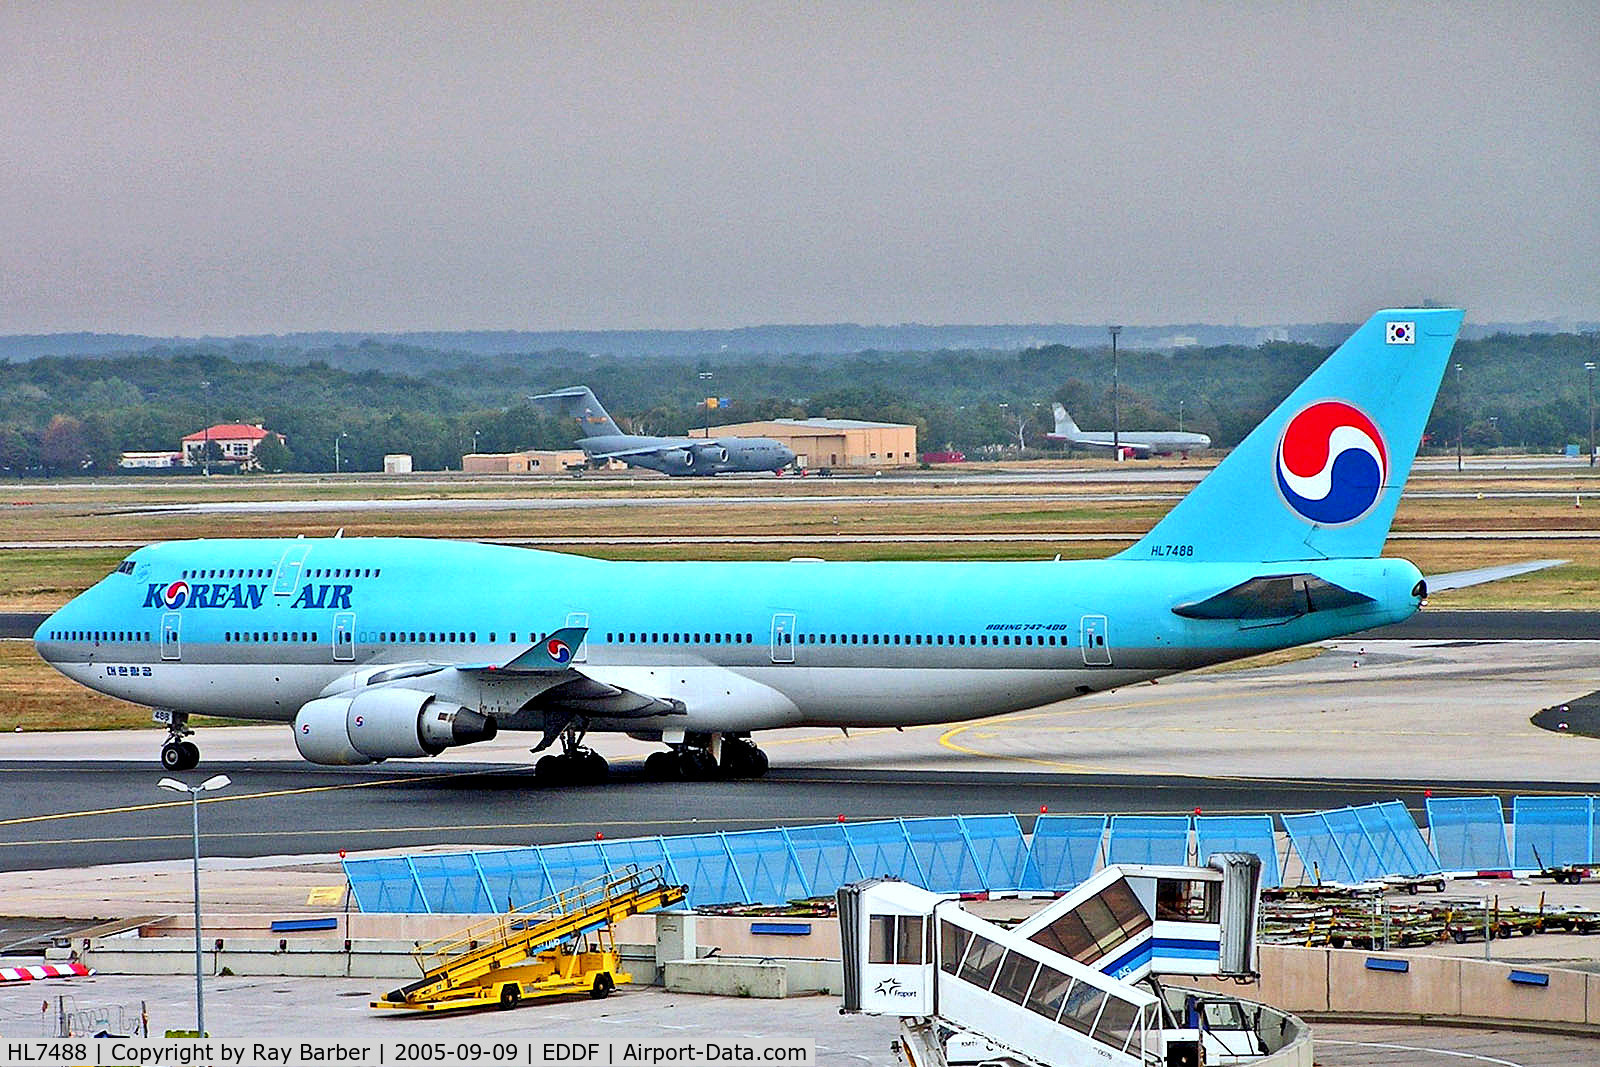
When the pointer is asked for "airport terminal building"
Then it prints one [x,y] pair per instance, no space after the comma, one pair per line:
[832,442]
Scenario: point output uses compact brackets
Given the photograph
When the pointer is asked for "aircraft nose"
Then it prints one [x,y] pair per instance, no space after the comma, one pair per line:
[788,456]
[43,645]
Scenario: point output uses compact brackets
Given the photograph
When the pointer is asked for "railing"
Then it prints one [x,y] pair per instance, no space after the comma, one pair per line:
[595,894]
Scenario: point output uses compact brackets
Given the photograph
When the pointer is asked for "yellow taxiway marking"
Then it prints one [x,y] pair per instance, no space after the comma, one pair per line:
[225,799]
[325,895]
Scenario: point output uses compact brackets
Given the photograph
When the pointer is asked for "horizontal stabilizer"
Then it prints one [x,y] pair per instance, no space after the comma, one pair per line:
[1276,596]
[1438,583]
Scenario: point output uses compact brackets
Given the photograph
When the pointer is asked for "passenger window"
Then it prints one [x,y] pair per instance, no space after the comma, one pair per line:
[983,959]
[1049,992]
[909,943]
[1082,1006]
[1185,900]
[1015,977]
[880,939]
[953,941]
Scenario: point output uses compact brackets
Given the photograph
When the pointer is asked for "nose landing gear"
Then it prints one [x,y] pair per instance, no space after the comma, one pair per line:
[178,754]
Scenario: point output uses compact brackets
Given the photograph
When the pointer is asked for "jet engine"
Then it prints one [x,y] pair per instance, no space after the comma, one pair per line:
[713,453]
[680,457]
[385,723]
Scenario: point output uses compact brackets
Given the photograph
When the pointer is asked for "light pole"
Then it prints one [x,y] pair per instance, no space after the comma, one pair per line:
[216,782]
[1116,409]
[336,441]
[1461,417]
[1590,368]
[474,442]
[1180,416]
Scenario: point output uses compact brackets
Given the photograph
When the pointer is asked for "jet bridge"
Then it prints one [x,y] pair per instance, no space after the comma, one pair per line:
[1076,983]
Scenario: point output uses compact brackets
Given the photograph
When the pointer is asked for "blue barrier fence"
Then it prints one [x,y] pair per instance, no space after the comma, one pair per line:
[987,853]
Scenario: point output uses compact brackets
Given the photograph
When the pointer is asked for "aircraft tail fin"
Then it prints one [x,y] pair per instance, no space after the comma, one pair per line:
[1065,427]
[579,403]
[1321,477]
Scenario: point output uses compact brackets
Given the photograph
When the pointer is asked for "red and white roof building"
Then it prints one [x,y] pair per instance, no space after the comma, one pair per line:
[237,441]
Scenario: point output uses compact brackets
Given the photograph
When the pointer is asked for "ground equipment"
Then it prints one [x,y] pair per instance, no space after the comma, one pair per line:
[559,945]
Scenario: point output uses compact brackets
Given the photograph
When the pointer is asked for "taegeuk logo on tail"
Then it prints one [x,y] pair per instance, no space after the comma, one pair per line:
[1331,463]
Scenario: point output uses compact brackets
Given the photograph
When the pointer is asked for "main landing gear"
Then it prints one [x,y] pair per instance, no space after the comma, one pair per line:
[696,759]
[178,754]
[574,764]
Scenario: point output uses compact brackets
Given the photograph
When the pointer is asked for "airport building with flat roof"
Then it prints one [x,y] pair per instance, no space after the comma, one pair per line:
[832,442]
[530,462]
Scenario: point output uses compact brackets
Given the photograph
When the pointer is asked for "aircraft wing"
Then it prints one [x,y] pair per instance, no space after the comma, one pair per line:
[624,453]
[1438,583]
[547,682]
[1275,596]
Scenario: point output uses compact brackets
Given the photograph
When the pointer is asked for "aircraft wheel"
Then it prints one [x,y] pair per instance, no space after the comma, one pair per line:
[191,755]
[595,768]
[697,764]
[550,770]
[662,766]
[759,763]
[172,756]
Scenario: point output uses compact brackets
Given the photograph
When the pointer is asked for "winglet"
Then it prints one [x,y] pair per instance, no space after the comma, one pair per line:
[554,653]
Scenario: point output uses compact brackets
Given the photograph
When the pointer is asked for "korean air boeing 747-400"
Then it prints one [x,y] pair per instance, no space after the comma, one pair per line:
[382,648]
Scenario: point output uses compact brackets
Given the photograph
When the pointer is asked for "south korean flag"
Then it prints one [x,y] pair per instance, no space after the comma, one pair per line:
[1401,333]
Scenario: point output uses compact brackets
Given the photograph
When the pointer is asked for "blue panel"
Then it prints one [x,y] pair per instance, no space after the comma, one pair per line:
[1239,833]
[882,849]
[385,885]
[1468,833]
[1378,963]
[1355,846]
[1149,839]
[1538,978]
[782,929]
[1319,853]
[641,852]
[451,884]
[1551,831]
[942,853]
[1066,848]
[825,858]
[515,877]
[571,865]
[1001,853]
[769,873]
[703,862]
[283,926]
[1408,838]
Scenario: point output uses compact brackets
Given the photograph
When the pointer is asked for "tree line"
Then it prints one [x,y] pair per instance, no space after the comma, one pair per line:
[63,415]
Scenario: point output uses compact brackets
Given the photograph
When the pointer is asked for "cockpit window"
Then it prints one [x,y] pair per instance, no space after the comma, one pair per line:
[125,567]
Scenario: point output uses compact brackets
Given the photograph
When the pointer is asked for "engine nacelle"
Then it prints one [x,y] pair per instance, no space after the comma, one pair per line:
[682,458]
[713,453]
[383,724]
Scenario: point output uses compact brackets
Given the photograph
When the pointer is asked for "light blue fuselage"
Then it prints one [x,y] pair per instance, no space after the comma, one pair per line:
[266,625]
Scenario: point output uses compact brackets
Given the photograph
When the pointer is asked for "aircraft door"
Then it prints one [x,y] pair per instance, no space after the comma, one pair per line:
[287,580]
[171,635]
[783,637]
[344,635]
[1095,641]
[580,618]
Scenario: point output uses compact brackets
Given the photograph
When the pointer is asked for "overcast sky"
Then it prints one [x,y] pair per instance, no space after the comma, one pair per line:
[264,167]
